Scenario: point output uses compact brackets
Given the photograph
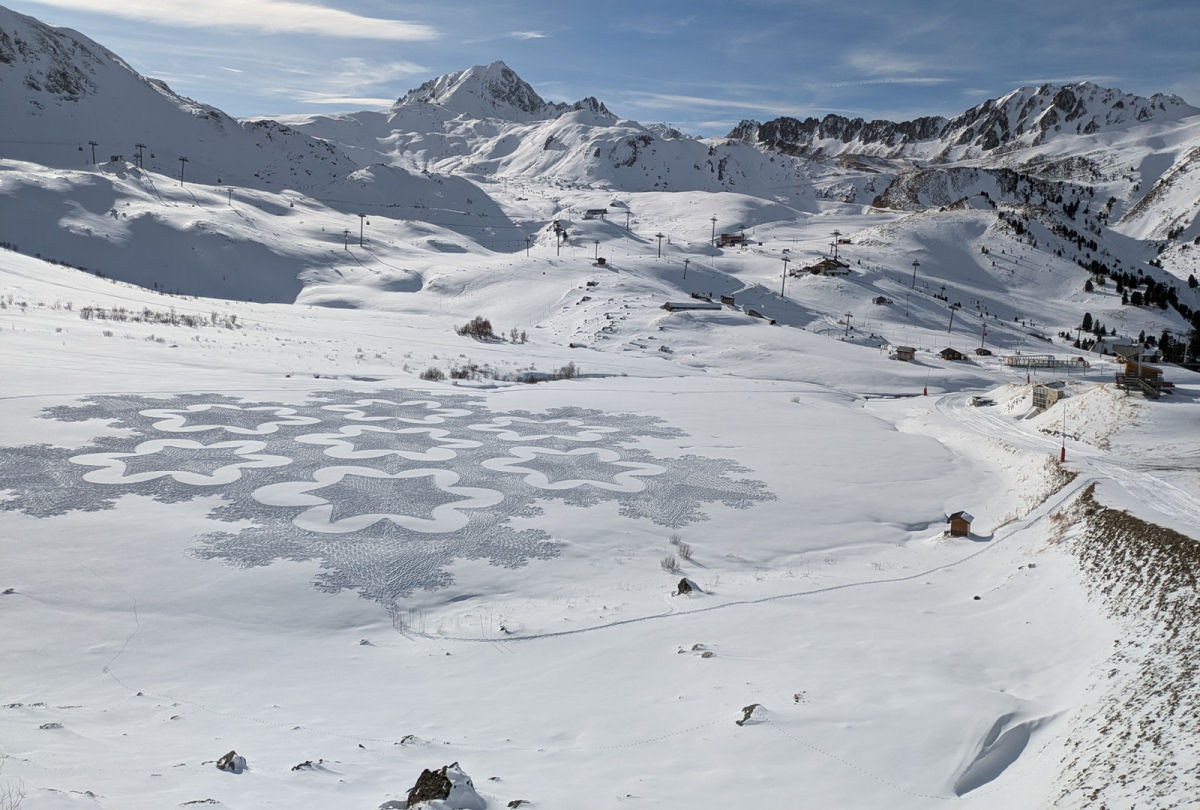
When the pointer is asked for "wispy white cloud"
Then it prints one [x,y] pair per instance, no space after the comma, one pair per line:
[528,34]
[892,80]
[646,100]
[882,63]
[232,70]
[349,82]
[271,16]
[310,97]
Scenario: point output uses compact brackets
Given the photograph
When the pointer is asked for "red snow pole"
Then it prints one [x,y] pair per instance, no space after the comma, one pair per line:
[1062,456]
[925,391]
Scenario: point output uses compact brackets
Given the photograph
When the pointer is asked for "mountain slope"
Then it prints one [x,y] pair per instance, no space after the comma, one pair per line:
[69,97]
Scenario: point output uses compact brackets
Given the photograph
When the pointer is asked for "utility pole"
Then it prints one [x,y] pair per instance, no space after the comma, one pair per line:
[916,264]
[953,307]
[982,330]
[597,243]
[685,264]
[659,237]
[783,278]
[139,147]
[627,213]
[231,197]
[714,232]
[528,239]
[1062,455]
[182,161]
[93,144]
[836,234]
[362,218]
[848,317]
[346,238]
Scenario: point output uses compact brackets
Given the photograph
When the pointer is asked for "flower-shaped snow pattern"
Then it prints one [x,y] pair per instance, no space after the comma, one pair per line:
[366,442]
[522,429]
[545,468]
[408,412]
[186,461]
[392,490]
[347,499]
[244,421]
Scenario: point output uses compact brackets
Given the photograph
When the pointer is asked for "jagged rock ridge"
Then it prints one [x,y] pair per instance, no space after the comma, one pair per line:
[1026,116]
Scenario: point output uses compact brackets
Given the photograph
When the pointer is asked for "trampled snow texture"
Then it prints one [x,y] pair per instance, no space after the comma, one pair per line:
[385,490]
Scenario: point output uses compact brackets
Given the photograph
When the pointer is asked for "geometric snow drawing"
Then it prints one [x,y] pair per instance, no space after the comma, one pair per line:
[384,491]
[346,499]
[604,467]
[210,416]
[186,461]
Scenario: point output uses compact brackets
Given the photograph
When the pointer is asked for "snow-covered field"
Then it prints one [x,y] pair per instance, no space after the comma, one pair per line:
[265,532]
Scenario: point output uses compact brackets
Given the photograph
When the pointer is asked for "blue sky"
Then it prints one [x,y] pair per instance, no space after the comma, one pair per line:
[699,65]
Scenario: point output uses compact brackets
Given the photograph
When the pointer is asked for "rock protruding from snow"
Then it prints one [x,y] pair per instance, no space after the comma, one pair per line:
[232,762]
[449,786]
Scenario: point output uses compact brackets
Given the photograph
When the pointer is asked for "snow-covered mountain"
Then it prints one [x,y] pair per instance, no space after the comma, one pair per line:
[1028,116]
[70,103]
[492,91]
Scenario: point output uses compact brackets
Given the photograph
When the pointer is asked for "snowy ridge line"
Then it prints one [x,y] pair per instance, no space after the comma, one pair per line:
[1041,510]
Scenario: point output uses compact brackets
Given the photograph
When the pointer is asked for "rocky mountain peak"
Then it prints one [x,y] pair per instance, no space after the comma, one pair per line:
[492,91]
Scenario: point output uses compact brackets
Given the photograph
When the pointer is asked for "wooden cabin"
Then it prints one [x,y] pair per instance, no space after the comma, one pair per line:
[952,354]
[960,524]
[906,353]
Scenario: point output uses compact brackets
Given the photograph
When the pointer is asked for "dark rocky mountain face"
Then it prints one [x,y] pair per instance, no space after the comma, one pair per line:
[1025,116]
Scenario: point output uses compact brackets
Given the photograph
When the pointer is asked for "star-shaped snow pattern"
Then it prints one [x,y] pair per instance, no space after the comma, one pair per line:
[366,442]
[254,421]
[343,499]
[546,468]
[186,461]
[405,412]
